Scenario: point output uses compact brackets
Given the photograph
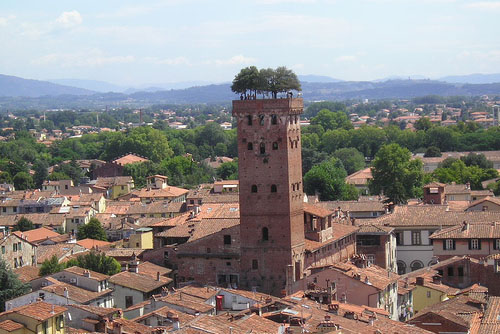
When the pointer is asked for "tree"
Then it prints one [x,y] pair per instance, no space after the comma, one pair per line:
[480,160]
[228,170]
[24,224]
[423,123]
[92,230]
[10,285]
[432,151]
[332,120]
[352,159]
[328,180]
[41,172]
[396,174]
[23,181]
[96,261]
[51,266]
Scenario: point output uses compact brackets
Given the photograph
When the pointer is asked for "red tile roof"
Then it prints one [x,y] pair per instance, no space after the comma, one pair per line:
[129,159]
[37,234]
[10,326]
[476,230]
[92,243]
[40,311]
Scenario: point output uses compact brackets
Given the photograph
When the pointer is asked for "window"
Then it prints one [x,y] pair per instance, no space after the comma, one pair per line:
[428,294]
[250,146]
[368,240]
[449,244]
[19,246]
[474,244]
[14,247]
[14,209]
[416,265]
[399,238]
[265,234]
[65,186]
[274,119]
[15,263]
[293,186]
[3,249]
[249,119]
[209,250]
[129,301]
[45,327]
[460,271]
[275,145]
[227,239]
[450,271]
[255,264]
[262,148]
[4,209]
[254,188]
[228,264]
[261,119]
[370,258]
[123,187]
[274,188]
[497,244]
[59,322]
[415,238]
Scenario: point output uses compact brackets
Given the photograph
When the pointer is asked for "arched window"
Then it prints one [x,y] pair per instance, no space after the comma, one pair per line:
[250,146]
[249,119]
[296,143]
[298,185]
[265,234]
[274,188]
[254,188]
[296,118]
[401,268]
[274,119]
[416,265]
[275,145]
[262,148]
[261,119]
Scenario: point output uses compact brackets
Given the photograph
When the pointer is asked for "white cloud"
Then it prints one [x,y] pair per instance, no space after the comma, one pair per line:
[484,5]
[89,58]
[168,61]
[5,20]
[235,60]
[69,19]
[345,59]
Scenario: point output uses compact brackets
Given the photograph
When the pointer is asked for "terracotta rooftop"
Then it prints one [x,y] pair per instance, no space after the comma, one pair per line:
[131,327]
[75,293]
[151,269]
[187,301]
[377,276]
[210,226]
[171,222]
[316,210]
[40,311]
[168,192]
[107,182]
[27,273]
[37,234]
[169,313]
[123,252]
[430,215]
[354,206]
[81,272]
[10,326]
[375,229]
[360,177]
[474,230]
[92,243]
[45,252]
[494,200]
[129,159]
[99,311]
[138,281]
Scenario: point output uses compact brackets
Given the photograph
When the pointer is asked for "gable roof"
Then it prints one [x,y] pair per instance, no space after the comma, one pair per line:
[476,230]
[92,243]
[138,281]
[37,234]
[129,159]
[40,311]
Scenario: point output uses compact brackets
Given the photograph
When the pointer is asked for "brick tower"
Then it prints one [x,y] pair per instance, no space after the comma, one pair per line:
[271,197]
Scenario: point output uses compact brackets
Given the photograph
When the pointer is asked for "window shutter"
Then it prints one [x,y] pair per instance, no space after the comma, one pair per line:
[453,243]
[494,243]
[470,244]
[444,244]
[478,243]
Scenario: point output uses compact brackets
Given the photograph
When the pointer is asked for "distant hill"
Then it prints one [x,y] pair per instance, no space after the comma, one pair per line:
[476,78]
[317,78]
[14,86]
[94,85]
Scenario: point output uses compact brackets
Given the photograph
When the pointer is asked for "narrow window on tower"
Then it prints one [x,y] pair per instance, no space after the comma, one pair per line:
[298,186]
[274,119]
[275,145]
[274,188]
[255,264]
[262,148]
[296,143]
[261,119]
[293,186]
[254,188]
[250,146]
[249,119]
[265,234]
[296,119]
[227,239]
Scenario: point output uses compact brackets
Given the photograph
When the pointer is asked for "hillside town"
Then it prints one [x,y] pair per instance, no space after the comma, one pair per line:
[255,254]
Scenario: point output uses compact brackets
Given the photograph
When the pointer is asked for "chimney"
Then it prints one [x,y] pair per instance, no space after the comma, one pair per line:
[467,186]
[66,293]
[465,226]
[86,273]
[420,280]
[158,276]
[436,279]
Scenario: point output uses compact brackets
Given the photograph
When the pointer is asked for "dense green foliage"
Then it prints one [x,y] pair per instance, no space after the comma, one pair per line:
[97,262]
[396,174]
[51,266]
[457,171]
[92,230]
[10,285]
[23,224]
[328,181]
[228,170]
[351,159]
[251,81]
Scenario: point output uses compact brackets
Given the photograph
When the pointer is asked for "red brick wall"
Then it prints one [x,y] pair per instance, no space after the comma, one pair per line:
[446,326]
[378,251]
[337,252]
[280,212]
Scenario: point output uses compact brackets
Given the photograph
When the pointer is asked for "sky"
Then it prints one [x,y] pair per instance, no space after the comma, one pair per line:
[160,41]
